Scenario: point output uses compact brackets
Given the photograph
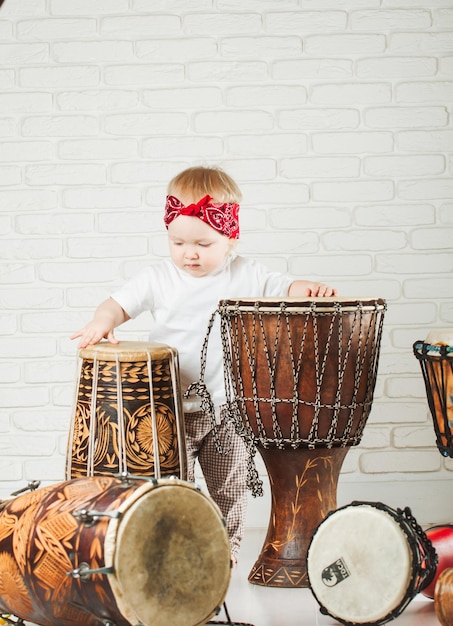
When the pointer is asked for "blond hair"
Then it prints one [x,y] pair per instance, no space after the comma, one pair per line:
[199,181]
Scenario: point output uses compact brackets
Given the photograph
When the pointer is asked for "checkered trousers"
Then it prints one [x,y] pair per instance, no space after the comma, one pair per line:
[225,472]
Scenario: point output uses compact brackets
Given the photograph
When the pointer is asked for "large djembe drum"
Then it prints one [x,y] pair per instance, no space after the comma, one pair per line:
[301,377]
[127,415]
[435,356]
[104,550]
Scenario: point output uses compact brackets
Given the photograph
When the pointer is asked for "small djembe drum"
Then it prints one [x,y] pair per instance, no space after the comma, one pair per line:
[435,356]
[301,378]
[108,550]
[127,415]
[366,562]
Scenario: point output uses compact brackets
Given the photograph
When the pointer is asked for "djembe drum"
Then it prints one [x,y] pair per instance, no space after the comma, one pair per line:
[435,356]
[301,378]
[102,550]
[127,415]
[366,562]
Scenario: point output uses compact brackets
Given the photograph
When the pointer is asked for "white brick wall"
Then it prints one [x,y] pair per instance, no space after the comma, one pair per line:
[335,118]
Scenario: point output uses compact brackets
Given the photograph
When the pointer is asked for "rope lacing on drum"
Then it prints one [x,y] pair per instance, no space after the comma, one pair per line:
[254,483]
[122,457]
[427,565]
[358,370]
[272,363]
[201,390]
[320,370]
[93,420]
[295,427]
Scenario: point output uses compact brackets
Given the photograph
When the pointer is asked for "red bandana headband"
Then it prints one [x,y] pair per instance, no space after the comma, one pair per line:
[222,217]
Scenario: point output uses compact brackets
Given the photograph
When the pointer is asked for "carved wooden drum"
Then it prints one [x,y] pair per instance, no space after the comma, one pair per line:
[127,414]
[436,361]
[301,377]
[367,561]
[108,551]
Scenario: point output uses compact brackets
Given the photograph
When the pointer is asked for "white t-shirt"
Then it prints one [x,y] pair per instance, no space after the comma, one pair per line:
[182,305]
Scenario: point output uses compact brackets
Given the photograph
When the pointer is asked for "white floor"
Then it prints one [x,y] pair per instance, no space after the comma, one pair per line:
[268,606]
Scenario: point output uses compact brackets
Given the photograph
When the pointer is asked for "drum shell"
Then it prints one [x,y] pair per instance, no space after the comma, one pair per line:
[443,598]
[315,358]
[41,541]
[442,539]
[131,527]
[127,414]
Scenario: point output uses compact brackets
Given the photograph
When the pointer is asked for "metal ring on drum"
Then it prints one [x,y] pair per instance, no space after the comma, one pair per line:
[127,414]
[435,356]
[301,376]
[108,550]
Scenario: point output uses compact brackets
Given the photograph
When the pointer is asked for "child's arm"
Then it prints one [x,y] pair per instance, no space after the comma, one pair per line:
[107,317]
[306,288]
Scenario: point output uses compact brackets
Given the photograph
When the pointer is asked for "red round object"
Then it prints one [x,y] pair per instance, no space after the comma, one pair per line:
[442,539]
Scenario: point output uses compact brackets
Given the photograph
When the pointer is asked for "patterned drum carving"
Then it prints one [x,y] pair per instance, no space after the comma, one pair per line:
[102,550]
[127,415]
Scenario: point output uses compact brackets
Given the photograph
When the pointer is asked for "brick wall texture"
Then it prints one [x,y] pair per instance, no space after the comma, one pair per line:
[334,116]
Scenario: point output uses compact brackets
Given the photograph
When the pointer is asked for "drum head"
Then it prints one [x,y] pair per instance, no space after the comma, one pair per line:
[359,564]
[440,337]
[127,351]
[172,557]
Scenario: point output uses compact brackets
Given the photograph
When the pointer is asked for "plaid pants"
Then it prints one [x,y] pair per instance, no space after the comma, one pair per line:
[225,473]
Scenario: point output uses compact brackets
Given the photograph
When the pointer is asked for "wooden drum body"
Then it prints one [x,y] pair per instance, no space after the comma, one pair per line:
[436,361]
[103,550]
[127,415]
[302,377]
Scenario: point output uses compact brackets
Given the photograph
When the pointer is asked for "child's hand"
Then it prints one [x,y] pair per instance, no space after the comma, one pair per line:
[306,288]
[108,316]
[93,333]
[319,290]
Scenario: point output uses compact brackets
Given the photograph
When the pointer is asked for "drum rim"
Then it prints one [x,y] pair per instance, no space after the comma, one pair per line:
[127,351]
[428,349]
[289,304]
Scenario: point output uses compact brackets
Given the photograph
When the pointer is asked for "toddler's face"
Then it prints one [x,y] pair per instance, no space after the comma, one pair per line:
[195,247]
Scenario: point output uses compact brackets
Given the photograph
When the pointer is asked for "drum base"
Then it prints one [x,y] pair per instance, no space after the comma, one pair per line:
[304,490]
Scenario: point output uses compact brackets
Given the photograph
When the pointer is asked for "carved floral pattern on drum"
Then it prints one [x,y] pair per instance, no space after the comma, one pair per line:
[112,445]
[46,532]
